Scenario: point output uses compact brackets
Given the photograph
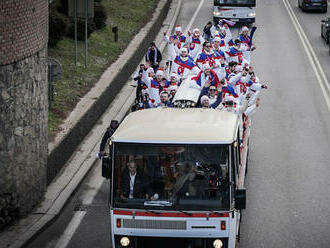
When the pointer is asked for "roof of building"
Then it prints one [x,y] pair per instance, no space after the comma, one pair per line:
[173,126]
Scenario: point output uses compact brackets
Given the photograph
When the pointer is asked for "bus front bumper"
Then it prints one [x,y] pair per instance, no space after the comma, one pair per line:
[162,242]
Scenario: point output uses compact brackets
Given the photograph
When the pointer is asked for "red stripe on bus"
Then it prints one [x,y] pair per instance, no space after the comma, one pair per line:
[167,214]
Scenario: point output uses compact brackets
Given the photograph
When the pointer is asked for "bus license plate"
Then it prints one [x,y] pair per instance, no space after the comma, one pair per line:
[235,20]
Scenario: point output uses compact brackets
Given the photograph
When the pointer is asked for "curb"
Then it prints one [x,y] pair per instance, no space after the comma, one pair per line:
[60,190]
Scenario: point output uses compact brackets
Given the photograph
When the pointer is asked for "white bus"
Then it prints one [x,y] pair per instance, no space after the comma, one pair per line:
[239,11]
[188,170]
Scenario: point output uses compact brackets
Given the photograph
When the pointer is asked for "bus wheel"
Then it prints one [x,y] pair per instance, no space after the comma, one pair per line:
[238,235]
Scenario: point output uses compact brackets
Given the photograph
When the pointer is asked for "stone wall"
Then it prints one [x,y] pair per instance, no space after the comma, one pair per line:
[23,104]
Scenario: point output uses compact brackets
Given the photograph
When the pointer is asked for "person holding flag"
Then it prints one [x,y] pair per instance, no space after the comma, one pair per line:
[246,42]
[223,24]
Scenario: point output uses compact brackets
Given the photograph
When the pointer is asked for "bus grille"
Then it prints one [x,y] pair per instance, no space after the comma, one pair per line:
[155,224]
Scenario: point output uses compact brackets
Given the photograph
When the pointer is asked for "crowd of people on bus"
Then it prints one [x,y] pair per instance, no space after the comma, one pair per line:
[216,63]
[213,62]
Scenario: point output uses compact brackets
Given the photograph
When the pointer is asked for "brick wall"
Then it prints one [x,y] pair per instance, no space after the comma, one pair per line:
[23,28]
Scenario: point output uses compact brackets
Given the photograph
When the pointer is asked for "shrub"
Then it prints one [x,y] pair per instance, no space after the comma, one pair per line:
[100,15]
[57,25]
[62,6]
[81,28]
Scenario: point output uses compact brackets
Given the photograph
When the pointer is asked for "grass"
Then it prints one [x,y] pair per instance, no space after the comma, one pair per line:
[76,81]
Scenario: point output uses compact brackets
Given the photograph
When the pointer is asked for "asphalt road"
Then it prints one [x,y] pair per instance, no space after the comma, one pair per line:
[289,169]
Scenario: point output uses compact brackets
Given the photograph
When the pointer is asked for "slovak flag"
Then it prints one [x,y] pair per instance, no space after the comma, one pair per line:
[213,77]
[228,89]
[229,23]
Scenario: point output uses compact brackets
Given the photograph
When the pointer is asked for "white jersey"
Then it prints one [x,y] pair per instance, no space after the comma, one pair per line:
[195,46]
[152,87]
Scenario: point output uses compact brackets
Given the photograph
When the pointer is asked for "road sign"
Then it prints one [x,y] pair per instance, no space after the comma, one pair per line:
[81,8]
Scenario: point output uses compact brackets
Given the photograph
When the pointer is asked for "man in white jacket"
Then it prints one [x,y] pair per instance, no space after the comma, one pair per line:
[174,43]
[195,43]
[184,65]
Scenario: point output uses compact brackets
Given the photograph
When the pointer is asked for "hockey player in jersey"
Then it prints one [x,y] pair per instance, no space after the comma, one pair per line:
[194,42]
[184,65]
[174,79]
[164,84]
[234,53]
[153,82]
[219,46]
[174,44]
[239,80]
[246,42]
[207,55]
[172,90]
[254,88]
[207,75]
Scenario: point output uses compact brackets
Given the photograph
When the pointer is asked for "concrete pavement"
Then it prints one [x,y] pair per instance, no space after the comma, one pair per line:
[83,159]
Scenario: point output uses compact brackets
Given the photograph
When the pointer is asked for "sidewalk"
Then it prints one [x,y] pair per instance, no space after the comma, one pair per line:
[62,187]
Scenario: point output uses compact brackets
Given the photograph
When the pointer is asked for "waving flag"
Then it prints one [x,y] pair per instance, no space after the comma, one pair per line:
[229,23]
[229,90]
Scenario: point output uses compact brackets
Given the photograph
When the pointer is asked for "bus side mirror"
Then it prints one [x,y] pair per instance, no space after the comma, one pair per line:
[106,167]
[240,199]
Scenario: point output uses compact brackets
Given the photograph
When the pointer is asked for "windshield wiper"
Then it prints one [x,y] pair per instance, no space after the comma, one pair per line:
[158,203]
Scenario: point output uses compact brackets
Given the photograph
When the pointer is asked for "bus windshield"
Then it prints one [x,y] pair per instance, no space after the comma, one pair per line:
[171,177]
[237,3]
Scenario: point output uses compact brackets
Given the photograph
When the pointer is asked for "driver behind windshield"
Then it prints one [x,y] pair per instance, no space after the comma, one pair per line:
[133,184]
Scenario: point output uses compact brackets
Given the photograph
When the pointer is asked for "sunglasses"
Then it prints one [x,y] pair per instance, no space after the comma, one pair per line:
[207,46]
[212,90]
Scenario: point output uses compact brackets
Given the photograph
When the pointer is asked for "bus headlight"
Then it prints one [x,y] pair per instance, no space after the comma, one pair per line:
[216,13]
[253,14]
[124,241]
[217,243]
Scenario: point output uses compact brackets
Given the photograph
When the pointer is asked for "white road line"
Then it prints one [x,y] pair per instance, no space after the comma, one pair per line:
[88,196]
[194,16]
[315,63]
[71,229]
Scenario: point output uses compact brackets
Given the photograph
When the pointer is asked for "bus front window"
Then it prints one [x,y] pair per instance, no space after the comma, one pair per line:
[238,3]
[175,177]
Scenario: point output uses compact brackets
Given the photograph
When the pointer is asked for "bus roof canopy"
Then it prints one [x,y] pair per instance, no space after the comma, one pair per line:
[178,126]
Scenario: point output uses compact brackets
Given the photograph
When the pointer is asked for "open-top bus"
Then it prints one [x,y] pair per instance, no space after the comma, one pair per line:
[190,167]
[241,11]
